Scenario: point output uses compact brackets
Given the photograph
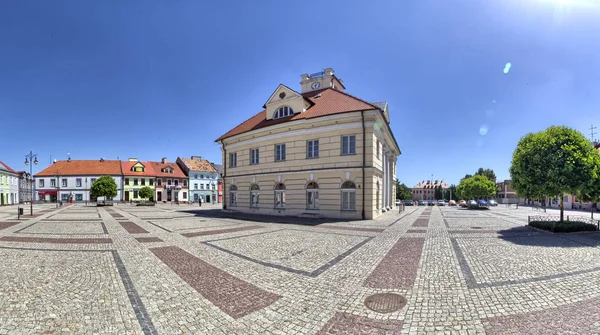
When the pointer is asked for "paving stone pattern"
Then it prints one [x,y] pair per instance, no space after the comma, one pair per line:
[75,270]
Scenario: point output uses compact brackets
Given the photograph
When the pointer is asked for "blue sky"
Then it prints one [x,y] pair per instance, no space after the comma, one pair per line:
[149,79]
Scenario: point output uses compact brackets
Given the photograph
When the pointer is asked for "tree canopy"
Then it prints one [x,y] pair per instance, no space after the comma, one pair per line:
[554,162]
[488,173]
[476,187]
[104,186]
[403,192]
[146,193]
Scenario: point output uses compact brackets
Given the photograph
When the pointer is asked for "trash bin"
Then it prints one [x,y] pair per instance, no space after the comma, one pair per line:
[60,203]
[20,211]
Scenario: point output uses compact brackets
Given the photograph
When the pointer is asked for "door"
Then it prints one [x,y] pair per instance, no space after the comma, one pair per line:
[168,195]
[127,196]
[195,197]
[158,196]
[208,198]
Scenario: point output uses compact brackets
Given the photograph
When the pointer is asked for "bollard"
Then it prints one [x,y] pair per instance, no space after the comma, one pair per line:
[18,213]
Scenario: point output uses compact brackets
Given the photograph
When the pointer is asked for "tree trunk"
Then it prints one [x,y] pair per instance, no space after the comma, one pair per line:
[562,208]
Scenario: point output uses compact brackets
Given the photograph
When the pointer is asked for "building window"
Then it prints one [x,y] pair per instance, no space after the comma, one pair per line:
[283,112]
[151,182]
[253,156]
[41,182]
[233,159]
[185,182]
[233,195]
[195,186]
[135,194]
[201,176]
[312,149]
[159,182]
[195,176]
[279,152]
[64,197]
[201,186]
[135,181]
[143,181]
[78,182]
[348,196]
[213,186]
[378,149]
[349,145]
[64,182]
[52,182]
[79,197]
[377,190]
[254,195]
[176,182]
[92,180]
[126,181]
[312,195]
[280,196]
[168,181]
[185,195]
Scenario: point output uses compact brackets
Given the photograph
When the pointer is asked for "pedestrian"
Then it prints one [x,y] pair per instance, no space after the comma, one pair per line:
[200,201]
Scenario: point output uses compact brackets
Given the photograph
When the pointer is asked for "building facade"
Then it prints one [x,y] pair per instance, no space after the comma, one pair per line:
[136,175]
[318,152]
[71,180]
[25,187]
[203,179]
[171,182]
[425,190]
[9,185]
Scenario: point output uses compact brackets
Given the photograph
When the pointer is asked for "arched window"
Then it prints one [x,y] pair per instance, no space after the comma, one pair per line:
[348,196]
[254,195]
[280,196]
[283,112]
[233,195]
[312,195]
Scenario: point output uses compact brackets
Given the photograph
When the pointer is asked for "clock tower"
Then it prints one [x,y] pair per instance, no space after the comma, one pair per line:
[320,80]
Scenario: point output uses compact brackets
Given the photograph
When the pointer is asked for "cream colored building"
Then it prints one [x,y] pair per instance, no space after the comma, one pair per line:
[425,190]
[319,152]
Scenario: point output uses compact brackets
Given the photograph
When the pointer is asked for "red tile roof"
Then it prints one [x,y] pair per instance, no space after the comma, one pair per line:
[158,166]
[7,167]
[148,170]
[198,165]
[330,102]
[82,167]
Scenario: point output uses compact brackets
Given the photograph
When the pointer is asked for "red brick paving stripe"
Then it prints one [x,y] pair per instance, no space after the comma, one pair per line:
[421,223]
[4,225]
[132,228]
[231,294]
[220,231]
[56,240]
[148,239]
[374,230]
[398,269]
[344,323]
[417,231]
[577,318]
[72,220]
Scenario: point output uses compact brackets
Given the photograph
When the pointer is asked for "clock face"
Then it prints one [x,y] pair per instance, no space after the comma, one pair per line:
[315,85]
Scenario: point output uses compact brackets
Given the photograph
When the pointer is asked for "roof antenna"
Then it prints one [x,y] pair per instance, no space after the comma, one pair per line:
[592,133]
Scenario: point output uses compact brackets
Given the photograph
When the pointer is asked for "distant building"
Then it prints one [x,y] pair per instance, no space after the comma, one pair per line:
[171,182]
[425,190]
[25,186]
[136,175]
[203,178]
[72,179]
[9,185]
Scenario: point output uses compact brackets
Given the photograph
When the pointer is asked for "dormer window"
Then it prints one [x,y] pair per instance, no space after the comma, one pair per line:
[283,112]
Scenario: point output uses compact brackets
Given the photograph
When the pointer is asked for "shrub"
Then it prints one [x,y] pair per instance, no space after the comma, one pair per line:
[563,227]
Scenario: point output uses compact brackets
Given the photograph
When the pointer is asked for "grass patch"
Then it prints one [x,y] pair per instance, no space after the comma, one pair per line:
[563,227]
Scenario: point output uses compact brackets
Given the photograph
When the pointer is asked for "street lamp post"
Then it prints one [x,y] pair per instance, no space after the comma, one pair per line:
[33,158]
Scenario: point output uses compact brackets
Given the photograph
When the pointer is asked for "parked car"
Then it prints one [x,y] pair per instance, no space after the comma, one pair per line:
[472,204]
[451,203]
[430,203]
[441,203]
[482,203]
[462,203]
[398,202]
[408,203]
[492,203]
[421,202]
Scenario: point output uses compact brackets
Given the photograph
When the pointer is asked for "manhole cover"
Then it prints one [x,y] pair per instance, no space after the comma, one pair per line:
[385,302]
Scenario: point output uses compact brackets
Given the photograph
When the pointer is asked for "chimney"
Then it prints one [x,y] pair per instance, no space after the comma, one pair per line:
[164,160]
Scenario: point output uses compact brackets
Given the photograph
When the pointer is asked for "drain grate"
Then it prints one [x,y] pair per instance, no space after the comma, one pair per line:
[385,302]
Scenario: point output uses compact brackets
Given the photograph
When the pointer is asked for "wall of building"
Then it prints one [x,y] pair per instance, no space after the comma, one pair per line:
[201,186]
[9,188]
[130,188]
[80,193]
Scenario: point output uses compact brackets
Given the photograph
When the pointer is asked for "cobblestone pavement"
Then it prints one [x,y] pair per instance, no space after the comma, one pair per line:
[181,269]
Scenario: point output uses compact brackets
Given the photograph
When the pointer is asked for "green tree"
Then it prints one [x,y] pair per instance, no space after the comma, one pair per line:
[403,192]
[104,186]
[591,191]
[146,193]
[488,173]
[553,162]
[476,187]
[438,193]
